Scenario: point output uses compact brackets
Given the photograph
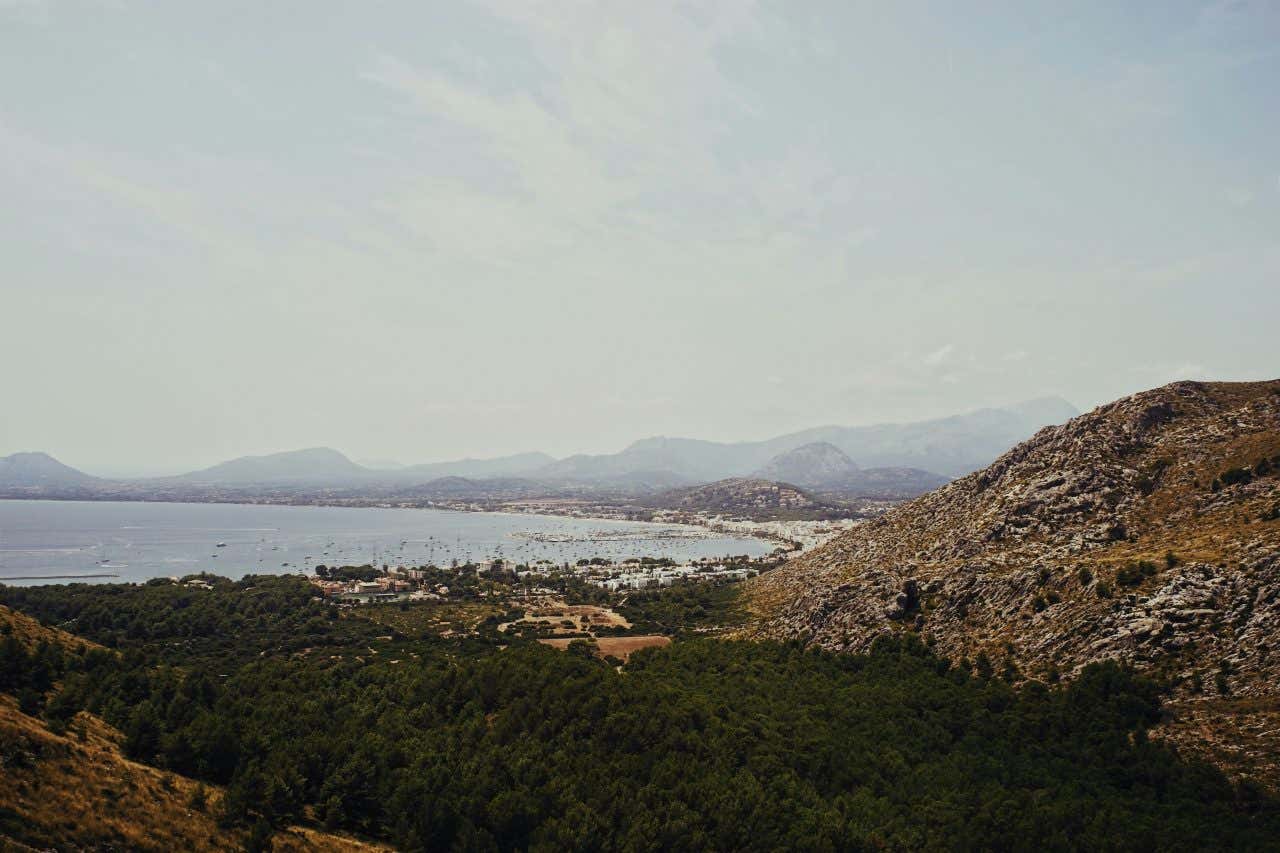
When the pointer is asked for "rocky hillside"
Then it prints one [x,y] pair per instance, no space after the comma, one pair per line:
[70,787]
[1146,530]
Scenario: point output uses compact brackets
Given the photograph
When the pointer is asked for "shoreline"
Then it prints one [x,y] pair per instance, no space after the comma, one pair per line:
[734,528]
[598,535]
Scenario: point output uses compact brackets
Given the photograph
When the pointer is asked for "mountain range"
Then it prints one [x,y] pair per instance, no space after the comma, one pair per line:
[911,456]
[951,446]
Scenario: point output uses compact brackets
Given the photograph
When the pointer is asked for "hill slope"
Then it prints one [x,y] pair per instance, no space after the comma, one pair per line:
[316,464]
[502,466]
[953,445]
[739,496]
[39,470]
[822,466]
[810,464]
[1147,530]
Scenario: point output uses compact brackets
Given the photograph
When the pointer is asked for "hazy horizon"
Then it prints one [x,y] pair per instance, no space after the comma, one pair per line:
[424,233]
[111,469]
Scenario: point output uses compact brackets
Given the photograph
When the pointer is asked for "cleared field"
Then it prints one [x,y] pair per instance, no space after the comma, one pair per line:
[570,618]
[619,647]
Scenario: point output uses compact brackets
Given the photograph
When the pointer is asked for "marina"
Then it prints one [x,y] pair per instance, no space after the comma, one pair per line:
[55,541]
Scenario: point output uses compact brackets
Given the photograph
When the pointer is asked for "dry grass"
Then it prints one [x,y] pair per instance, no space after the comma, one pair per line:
[77,791]
[31,633]
[584,618]
[619,647]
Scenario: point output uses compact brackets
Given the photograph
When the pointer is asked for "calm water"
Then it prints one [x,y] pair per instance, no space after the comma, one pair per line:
[137,541]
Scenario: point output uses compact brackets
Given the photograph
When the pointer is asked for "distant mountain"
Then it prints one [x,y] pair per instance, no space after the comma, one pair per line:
[325,465]
[381,464]
[743,496]
[685,457]
[892,484]
[821,466]
[503,466]
[39,470]
[828,457]
[814,464]
[313,465]
[952,446]
[955,445]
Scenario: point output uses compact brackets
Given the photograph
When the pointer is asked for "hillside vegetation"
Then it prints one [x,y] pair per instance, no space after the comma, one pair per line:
[1146,531]
[299,715]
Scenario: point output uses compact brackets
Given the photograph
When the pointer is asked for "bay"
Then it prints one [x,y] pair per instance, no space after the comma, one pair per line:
[114,542]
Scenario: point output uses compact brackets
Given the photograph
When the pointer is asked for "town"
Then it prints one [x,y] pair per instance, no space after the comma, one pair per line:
[497,578]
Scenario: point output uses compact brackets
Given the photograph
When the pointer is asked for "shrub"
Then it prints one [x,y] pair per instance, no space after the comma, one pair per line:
[30,702]
[1236,476]
[1137,573]
[1221,684]
[1129,576]
[199,798]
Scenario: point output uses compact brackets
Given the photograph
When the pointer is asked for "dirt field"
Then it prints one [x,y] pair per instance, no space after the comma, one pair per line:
[585,617]
[619,647]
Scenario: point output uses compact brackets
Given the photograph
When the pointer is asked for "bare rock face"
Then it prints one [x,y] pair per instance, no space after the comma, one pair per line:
[1147,530]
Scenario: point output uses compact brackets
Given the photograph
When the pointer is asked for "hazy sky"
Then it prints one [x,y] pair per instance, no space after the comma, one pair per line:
[425,230]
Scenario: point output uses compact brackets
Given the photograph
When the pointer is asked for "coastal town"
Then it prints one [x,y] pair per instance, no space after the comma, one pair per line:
[495,578]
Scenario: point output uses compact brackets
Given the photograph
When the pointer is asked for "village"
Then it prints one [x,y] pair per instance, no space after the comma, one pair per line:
[496,578]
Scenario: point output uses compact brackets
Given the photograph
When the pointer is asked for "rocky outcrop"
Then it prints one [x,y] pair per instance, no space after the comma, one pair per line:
[1147,530]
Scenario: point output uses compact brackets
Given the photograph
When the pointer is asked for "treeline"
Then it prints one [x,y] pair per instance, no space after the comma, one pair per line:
[703,745]
[175,623]
[685,606]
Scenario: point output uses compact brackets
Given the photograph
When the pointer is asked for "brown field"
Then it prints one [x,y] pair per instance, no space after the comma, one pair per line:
[78,792]
[619,647]
[585,617]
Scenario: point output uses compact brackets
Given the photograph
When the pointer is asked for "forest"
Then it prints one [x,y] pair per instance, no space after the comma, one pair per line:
[309,714]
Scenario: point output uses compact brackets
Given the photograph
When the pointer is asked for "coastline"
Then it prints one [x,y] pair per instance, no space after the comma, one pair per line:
[713,524]
[181,535]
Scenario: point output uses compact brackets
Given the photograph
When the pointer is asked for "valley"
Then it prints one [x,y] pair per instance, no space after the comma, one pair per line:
[1099,603]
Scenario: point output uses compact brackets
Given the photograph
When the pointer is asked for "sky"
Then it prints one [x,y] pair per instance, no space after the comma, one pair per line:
[419,231]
